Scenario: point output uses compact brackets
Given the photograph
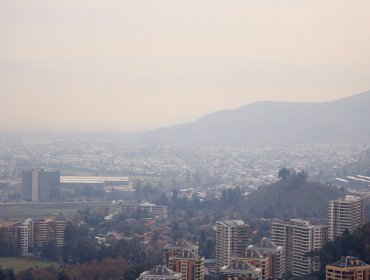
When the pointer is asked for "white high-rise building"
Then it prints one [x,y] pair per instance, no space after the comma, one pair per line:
[231,239]
[299,238]
[345,214]
[23,239]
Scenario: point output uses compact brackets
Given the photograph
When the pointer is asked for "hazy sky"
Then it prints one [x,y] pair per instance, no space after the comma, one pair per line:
[139,64]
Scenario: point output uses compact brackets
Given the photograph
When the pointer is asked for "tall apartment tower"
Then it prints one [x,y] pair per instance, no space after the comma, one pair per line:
[47,229]
[231,240]
[299,238]
[345,214]
[38,185]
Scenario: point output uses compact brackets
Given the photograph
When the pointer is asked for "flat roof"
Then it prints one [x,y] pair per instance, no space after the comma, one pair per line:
[92,179]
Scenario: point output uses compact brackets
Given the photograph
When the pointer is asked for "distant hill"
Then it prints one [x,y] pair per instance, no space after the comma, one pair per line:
[275,123]
[292,198]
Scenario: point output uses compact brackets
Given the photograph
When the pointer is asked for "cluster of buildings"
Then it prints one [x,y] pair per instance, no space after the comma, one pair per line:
[236,257]
[20,238]
[123,206]
[290,244]
[251,166]
[39,185]
[180,261]
[346,268]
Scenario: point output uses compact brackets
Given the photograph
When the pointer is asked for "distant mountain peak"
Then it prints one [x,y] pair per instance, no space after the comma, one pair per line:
[275,123]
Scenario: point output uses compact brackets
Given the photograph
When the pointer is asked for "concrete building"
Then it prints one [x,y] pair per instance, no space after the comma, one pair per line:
[298,238]
[47,229]
[348,268]
[189,264]
[39,185]
[345,214]
[121,206]
[10,239]
[160,272]
[176,247]
[265,255]
[182,256]
[231,240]
[19,237]
[241,270]
[24,239]
[15,239]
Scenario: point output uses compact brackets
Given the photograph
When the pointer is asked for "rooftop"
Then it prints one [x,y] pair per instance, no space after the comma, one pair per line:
[160,270]
[349,261]
[181,244]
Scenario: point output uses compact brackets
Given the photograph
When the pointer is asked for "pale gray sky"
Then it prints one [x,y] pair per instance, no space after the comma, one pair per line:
[139,64]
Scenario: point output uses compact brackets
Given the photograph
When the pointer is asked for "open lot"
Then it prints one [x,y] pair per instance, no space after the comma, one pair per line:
[38,210]
[19,264]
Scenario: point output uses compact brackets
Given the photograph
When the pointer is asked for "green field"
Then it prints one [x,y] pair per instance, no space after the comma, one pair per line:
[19,264]
[22,211]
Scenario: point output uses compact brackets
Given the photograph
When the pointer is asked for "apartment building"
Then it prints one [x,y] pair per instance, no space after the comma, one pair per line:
[265,255]
[345,214]
[348,268]
[298,238]
[182,256]
[231,240]
[19,237]
[177,246]
[121,206]
[48,229]
[241,270]
[190,265]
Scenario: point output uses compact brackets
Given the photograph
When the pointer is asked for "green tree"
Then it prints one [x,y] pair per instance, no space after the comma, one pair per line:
[7,274]
[27,275]
[284,173]
[133,271]
[50,251]
[63,276]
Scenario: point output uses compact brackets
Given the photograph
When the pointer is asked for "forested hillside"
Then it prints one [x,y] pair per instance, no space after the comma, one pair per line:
[293,196]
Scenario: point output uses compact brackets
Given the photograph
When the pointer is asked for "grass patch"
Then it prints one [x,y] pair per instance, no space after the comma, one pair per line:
[20,211]
[19,264]
[23,211]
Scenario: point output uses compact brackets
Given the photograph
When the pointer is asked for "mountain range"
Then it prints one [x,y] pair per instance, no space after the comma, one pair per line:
[274,123]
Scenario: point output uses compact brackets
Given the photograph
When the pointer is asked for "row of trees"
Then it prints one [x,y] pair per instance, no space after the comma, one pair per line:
[290,173]
[7,274]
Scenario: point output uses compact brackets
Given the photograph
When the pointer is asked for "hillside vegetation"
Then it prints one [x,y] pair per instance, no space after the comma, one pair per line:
[293,196]
[355,244]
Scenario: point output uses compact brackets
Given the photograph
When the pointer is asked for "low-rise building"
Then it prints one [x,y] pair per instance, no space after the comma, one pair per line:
[348,268]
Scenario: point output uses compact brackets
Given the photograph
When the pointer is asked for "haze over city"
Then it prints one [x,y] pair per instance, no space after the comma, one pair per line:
[184,140]
[134,65]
